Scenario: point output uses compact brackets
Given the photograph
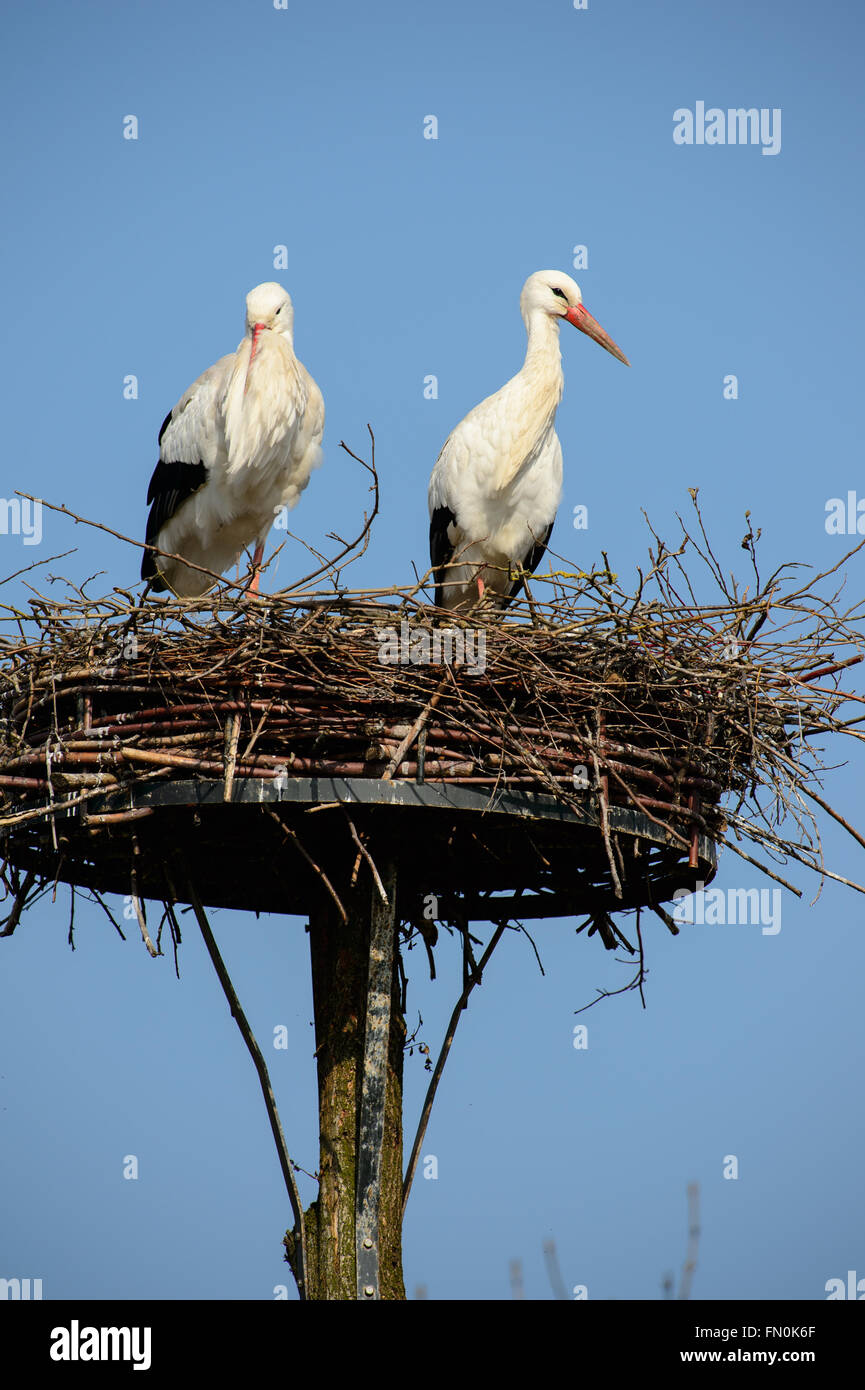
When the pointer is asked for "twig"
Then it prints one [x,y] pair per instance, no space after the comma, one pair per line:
[290,835]
[11,921]
[363,537]
[362,850]
[129,540]
[442,1058]
[264,1080]
[415,729]
[136,900]
[232,739]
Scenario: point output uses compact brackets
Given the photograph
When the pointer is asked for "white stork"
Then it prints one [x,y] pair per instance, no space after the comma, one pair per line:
[497,482]
[239,445]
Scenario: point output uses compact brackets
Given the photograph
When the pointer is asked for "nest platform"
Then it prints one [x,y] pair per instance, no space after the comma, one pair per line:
[259,755]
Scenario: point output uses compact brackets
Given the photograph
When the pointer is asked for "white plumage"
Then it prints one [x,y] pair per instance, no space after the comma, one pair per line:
[239,445]
[497,482]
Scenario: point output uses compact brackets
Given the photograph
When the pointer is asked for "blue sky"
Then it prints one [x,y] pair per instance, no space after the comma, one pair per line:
[304,128]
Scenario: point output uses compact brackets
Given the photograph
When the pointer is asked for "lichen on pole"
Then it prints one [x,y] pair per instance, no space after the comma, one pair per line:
[360,1163]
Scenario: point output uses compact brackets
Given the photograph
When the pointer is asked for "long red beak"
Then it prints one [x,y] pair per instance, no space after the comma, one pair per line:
[256,330]
[582,319]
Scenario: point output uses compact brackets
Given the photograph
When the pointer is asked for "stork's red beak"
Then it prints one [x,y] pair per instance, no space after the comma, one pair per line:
[580,317]
[257,328]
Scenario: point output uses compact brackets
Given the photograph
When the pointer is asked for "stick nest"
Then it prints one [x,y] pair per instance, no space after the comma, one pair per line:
[702,716]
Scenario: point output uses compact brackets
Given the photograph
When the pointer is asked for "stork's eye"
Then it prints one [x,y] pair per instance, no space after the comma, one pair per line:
[555,289]
[279,310]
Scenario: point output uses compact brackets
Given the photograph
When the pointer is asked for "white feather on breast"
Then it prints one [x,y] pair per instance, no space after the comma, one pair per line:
[259,449]
[500,473]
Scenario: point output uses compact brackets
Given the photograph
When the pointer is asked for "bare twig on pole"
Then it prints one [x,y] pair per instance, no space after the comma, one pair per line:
[295,840]
[264,1080]
[19,903]
[363,851]
[136,899]
[442,1058]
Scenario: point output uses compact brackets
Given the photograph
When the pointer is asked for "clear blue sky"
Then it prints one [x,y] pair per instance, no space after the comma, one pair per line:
[304,127]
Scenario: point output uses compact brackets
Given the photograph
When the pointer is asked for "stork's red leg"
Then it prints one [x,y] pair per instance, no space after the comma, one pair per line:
[252,586]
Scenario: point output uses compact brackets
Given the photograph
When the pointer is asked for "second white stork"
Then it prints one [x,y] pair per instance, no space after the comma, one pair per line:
[239,445]
[496,485]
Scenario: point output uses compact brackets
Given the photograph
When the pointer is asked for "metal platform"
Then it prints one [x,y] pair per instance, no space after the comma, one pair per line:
[482,856]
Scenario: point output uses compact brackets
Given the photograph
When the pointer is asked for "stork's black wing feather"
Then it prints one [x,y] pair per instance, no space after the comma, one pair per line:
[440,548]
[169,488]
[165,423]
[531,562]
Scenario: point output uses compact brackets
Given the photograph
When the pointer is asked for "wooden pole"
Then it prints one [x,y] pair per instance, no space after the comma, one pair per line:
[354,1228]
[373,1102]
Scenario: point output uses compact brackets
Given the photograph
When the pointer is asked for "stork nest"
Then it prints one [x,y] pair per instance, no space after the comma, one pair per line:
[701,717]
[656,722]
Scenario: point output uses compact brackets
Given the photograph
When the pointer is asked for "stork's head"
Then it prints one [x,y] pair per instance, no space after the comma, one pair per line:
[554,293]
[268,308]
